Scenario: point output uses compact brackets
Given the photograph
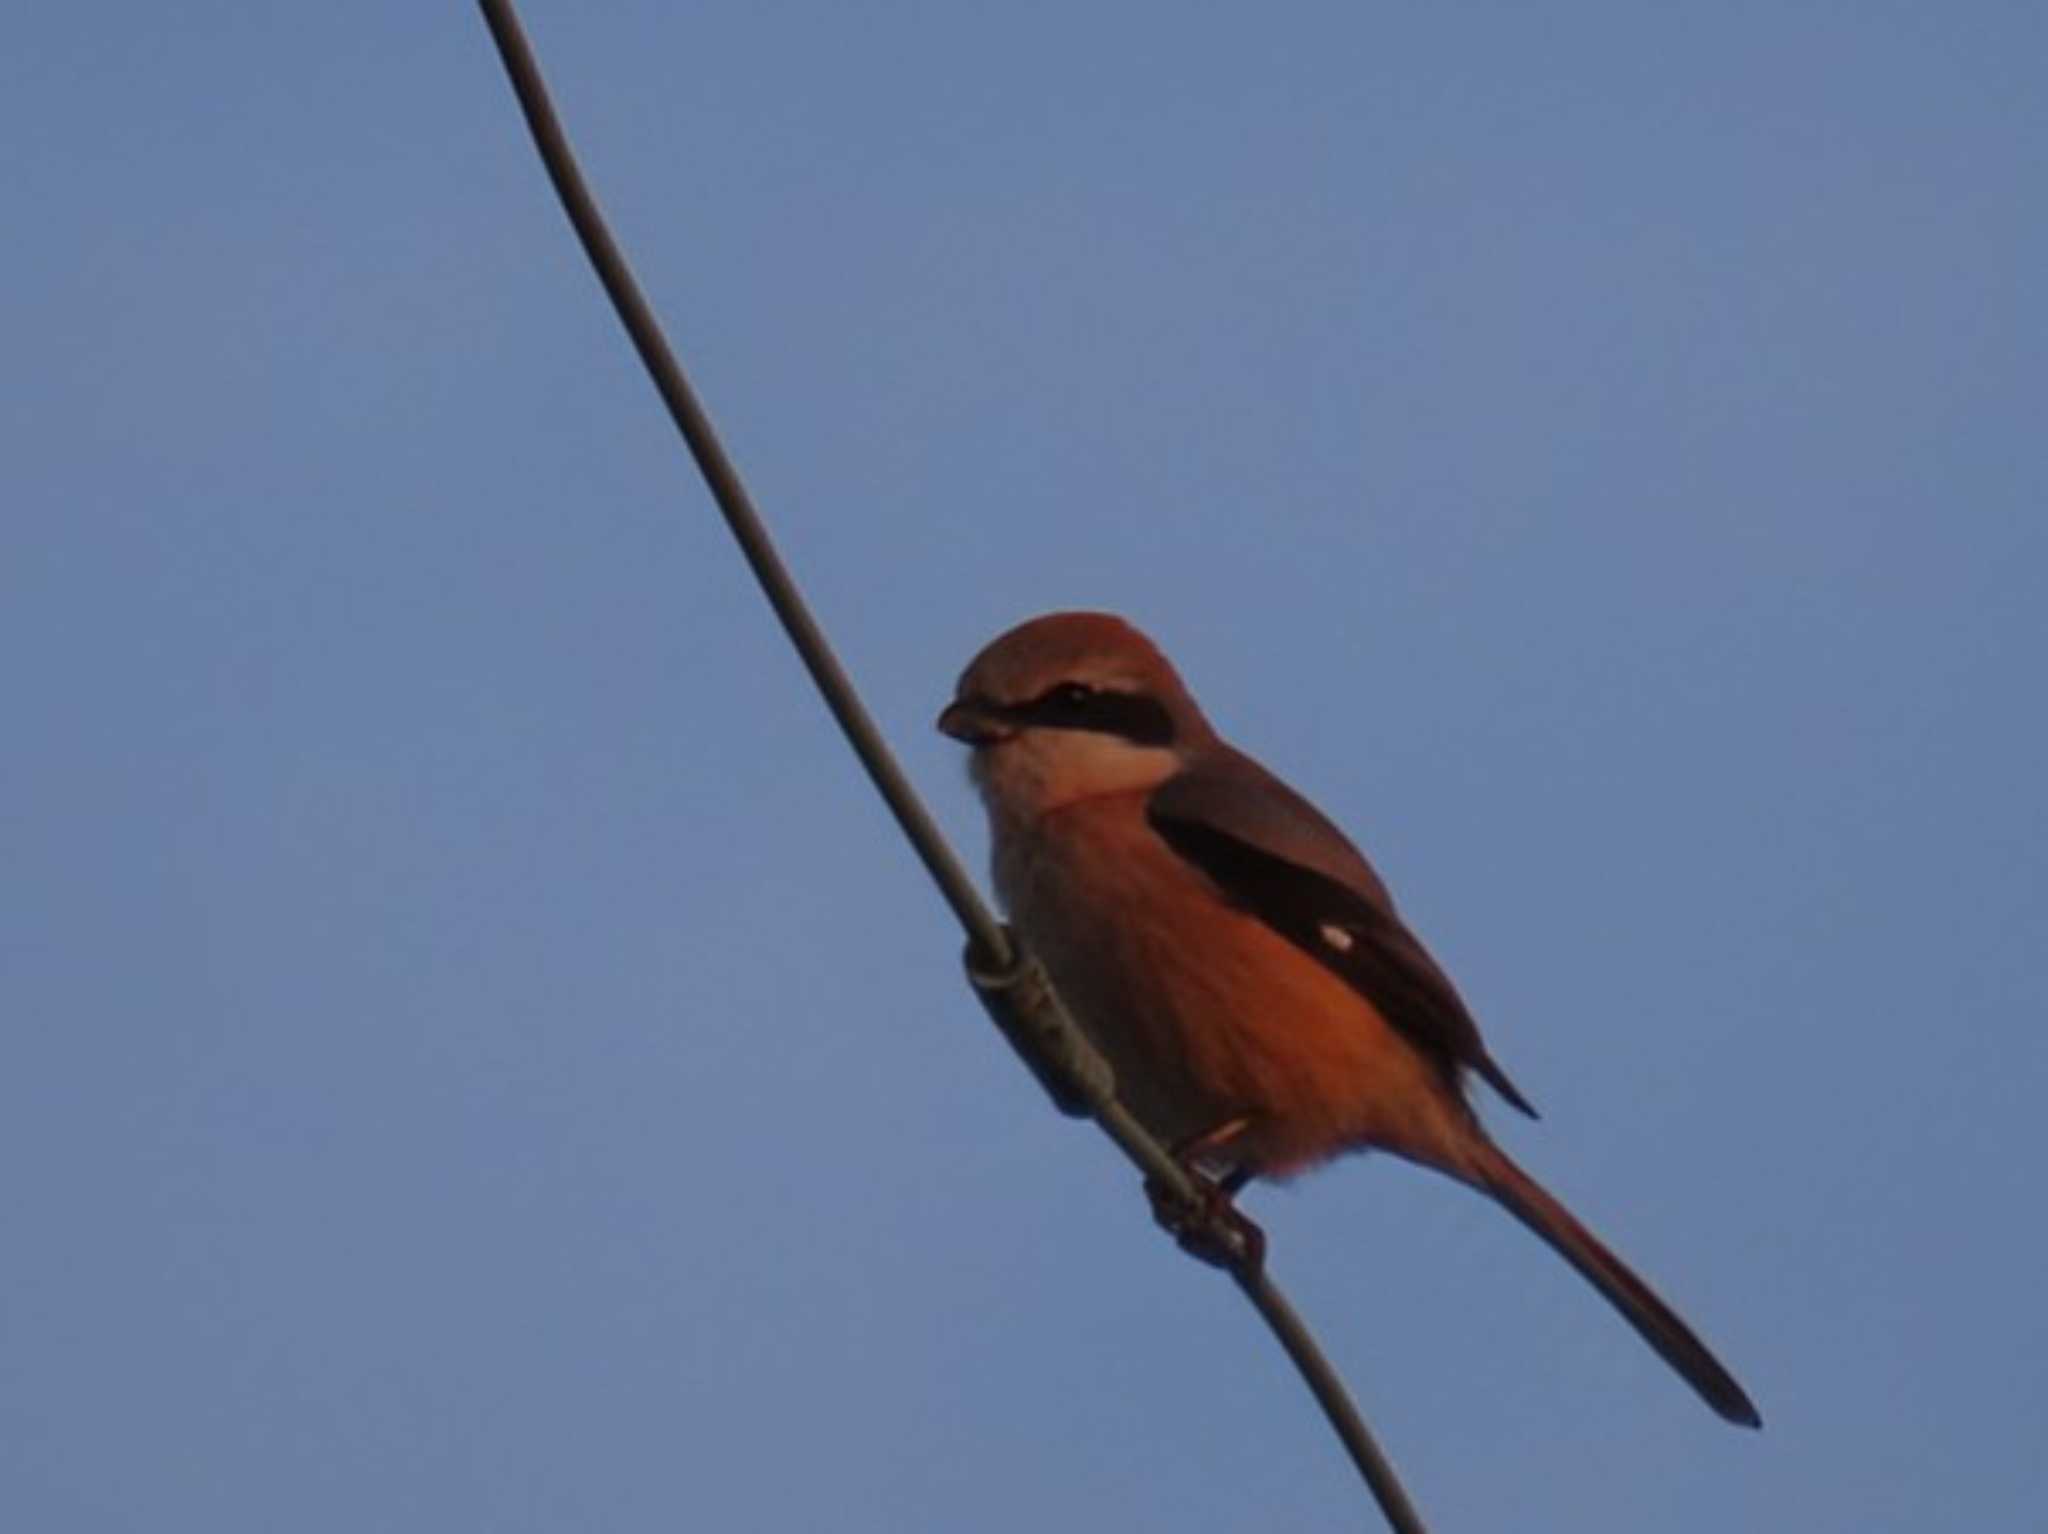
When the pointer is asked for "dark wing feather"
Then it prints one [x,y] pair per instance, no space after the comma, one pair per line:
[1274,855]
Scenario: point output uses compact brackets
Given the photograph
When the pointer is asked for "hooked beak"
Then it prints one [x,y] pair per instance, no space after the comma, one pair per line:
[974,722]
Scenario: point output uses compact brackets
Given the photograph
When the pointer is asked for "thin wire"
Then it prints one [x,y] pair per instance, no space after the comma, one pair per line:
[1293,1335]
[1030,1013]
[730,492]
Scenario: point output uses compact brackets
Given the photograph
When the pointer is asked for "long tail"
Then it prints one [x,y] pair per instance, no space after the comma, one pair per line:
[1525,1199]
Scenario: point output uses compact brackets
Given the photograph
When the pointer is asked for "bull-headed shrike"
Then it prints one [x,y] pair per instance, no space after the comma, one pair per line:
[1231,953]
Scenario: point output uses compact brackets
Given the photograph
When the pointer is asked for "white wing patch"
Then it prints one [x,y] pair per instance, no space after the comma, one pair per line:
[1337,937]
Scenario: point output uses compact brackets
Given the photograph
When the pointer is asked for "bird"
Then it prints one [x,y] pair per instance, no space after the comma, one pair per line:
[1233,955]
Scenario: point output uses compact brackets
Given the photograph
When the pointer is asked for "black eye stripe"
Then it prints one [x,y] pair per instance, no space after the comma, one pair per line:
[1130,716]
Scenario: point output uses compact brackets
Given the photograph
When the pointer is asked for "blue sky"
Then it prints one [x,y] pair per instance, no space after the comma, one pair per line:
[474,1053]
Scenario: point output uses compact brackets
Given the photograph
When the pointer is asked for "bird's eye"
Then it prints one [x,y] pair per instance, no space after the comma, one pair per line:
[1131,716]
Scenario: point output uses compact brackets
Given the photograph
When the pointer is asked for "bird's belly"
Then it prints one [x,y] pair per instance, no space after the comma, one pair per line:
[1207,1015]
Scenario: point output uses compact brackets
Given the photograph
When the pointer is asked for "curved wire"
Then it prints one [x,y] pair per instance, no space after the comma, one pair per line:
[1009,983]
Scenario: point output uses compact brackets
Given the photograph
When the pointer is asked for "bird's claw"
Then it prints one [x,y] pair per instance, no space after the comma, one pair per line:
[1209,1226]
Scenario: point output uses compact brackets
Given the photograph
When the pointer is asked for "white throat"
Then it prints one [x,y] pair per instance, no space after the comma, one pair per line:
[1040,770]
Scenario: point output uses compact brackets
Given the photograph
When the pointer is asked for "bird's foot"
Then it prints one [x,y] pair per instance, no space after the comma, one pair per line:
[1209,1225]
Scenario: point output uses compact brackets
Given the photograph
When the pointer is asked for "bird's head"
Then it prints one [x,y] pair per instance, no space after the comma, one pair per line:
[1071,706]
